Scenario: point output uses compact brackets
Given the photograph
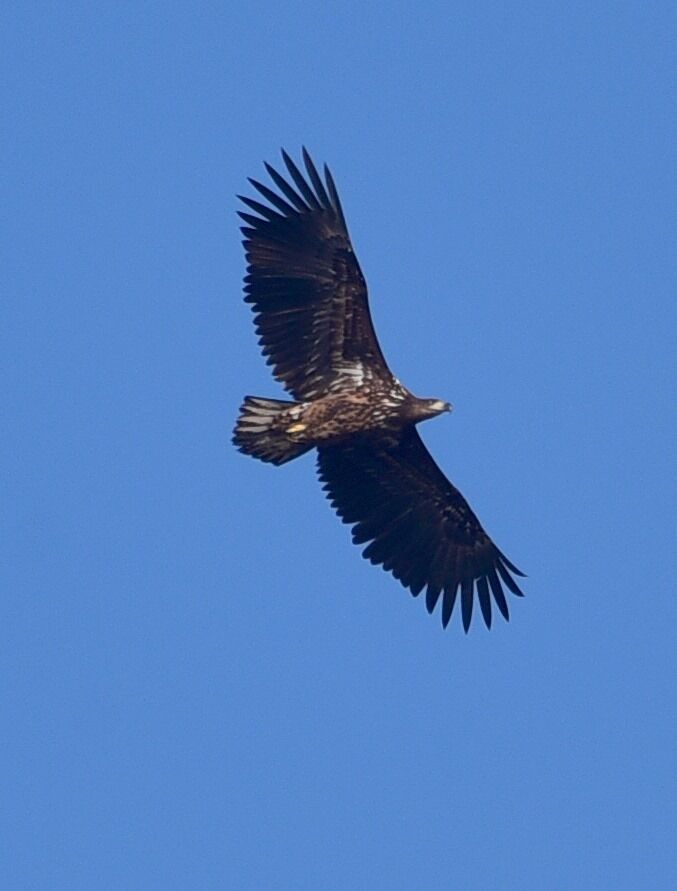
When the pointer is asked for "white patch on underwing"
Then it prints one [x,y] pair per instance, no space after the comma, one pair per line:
[353,370]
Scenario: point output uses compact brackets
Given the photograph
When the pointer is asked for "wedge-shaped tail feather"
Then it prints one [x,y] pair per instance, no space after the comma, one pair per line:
[258,434]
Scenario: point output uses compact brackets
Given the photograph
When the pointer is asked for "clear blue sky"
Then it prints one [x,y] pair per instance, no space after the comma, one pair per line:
[203,684]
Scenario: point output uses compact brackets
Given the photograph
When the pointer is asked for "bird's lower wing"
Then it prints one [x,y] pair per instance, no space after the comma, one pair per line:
[418,524]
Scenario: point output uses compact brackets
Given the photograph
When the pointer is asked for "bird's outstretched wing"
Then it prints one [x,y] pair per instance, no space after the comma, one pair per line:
[420,527]
[306,287]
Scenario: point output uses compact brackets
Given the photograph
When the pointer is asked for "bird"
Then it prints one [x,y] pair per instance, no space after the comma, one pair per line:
[311,313]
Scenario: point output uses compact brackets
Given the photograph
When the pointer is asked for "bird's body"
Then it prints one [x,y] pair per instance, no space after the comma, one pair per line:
[373,411]
[313,319]
[339,416]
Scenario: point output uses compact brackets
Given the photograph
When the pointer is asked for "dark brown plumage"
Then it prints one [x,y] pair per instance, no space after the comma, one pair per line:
[312,316]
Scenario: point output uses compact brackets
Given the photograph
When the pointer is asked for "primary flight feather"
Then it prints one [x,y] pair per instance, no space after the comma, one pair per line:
[312,317]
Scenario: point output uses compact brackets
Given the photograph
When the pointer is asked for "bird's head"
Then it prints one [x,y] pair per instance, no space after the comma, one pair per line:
[438,406]
[430,408]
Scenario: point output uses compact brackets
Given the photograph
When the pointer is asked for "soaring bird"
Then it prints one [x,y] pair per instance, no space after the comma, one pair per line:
[312,316]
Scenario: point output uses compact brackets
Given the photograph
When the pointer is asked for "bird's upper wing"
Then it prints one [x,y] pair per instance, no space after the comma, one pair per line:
[306,287]
[420,527]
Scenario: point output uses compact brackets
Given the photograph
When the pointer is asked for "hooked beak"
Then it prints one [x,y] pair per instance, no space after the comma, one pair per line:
[440,405]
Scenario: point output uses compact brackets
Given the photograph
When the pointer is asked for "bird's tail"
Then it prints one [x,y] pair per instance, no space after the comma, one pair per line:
[257,434]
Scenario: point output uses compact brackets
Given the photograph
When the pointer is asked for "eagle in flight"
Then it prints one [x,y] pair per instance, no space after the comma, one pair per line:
[312,316]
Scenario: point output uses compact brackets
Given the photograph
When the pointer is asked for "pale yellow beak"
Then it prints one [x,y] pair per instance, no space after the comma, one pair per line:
[439,405]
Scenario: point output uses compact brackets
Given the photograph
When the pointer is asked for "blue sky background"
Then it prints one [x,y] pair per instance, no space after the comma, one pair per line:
[203,684]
